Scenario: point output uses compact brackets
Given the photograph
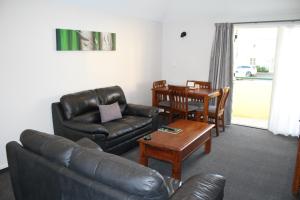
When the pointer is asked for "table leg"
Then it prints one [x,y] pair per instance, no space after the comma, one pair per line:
[176,169]
[205,113]
[143,157]
[154,98]
[208,144]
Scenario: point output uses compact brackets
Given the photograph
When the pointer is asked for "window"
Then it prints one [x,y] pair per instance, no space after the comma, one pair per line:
[252,61]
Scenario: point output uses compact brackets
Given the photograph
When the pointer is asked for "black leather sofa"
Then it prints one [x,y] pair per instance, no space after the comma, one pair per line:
[77,115]
[50,167]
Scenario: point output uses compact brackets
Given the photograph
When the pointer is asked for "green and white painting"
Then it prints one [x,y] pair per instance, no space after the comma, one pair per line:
[77,40]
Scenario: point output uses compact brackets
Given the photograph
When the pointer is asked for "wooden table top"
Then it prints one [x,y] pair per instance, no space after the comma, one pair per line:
[178,142]
[193,91]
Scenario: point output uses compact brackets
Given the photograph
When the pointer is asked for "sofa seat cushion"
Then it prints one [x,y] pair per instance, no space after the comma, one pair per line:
[116,129]
[124,125]
[136,121]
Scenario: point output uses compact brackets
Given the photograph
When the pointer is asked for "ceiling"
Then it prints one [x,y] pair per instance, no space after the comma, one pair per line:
[162,10]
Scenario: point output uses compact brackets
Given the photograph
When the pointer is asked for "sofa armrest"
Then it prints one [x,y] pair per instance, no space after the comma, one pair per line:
[91,128]
[207,186]
[140,110]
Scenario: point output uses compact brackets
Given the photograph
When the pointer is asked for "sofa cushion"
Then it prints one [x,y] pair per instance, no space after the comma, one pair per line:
[79,103]
[110,112]
[116,129]
[135,121]
[111,95]
[118,172]
[90,117]
[124,125]
[54,148]
[128,138]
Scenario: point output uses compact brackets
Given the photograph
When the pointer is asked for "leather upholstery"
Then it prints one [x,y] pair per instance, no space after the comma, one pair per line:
[50,167]
[140,110]
[79,103]
[126,124]
[111,95]
[56,149]
[77,115]
[90,117]
[87,143]
[89,128]
[201,187]
[119,173]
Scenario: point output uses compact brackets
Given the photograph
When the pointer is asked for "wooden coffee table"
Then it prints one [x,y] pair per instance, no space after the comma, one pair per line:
[174,148]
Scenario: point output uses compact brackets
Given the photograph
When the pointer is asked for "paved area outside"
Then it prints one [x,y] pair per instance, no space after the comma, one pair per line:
[251,102]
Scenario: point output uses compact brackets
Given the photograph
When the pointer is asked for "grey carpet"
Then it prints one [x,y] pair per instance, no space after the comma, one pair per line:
[256,164]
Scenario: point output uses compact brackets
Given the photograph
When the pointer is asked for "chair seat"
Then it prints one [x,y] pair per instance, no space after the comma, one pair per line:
[168,104]
[164,104]
[211,109]
[196,103]
[192,108]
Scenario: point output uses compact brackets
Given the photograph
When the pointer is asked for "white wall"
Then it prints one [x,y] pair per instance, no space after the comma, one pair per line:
[33,74]
[186,58]
[189,57]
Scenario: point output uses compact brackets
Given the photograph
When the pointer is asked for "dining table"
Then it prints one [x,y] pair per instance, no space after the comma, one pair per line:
[196,93]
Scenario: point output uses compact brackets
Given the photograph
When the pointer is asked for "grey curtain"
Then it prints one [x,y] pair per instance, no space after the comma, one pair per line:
[220,72]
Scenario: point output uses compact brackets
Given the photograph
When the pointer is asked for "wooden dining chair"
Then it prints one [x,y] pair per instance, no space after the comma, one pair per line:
[198,84]
[163,101]
[216,113]
[179,102]
[159,84]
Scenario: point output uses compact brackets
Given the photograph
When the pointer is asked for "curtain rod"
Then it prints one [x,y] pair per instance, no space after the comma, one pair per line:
[275,21]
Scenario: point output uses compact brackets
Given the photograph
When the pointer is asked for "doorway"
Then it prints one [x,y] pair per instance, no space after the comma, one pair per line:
[254,50]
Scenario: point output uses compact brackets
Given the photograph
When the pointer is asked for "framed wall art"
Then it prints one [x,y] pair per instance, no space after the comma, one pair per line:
[77,40]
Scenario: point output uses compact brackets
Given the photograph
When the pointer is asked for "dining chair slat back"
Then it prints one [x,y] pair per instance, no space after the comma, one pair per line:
[198,84]
[160,84]
[162,99]
[179,101]
[179,98]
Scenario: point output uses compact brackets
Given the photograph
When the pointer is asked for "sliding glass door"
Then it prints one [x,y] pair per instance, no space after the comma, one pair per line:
[253,68]
[267,76]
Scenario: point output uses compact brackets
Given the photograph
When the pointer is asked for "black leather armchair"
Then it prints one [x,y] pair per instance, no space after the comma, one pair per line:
[77,116]
[50,167]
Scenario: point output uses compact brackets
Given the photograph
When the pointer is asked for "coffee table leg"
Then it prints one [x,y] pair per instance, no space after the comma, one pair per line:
[208,144]
[143,157]
[176,170]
